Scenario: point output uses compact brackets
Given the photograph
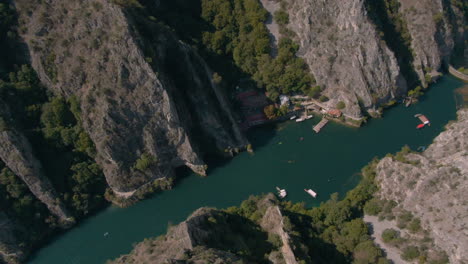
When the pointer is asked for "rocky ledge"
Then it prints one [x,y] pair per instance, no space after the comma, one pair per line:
[216,236]
[432,186]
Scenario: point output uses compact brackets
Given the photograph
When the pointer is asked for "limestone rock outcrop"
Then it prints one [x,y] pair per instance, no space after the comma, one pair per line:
[138,97]
[272,222]
[217,237]
[16,152]
[187,241]
[432,186]
[345,53]
[436,28]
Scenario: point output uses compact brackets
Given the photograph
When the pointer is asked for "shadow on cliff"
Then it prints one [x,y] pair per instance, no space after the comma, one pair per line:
[190,30]
[457,58]
[318,250]
[386,17]
[13,50]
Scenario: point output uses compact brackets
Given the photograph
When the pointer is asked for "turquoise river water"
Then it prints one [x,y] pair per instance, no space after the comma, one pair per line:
[327,162]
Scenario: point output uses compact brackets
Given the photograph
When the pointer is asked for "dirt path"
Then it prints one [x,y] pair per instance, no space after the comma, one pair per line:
[272,6]
[377,228]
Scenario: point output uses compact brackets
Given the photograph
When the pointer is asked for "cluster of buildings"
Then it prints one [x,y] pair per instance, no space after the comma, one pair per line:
[253,102]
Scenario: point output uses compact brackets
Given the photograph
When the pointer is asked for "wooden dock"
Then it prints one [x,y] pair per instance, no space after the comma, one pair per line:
[423,119]
[320,125]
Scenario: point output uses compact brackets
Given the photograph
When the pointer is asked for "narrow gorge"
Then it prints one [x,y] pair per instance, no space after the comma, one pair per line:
[103,101]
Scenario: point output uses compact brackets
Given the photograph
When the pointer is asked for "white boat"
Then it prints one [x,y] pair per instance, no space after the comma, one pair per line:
[312,193]
[292,117]
[281,192]
[300,119]
[309,116]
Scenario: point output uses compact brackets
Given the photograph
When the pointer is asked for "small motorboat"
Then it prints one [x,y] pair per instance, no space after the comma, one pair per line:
[309,116]
[293,117]
[312,193]
[420,126]
[281,192]
[300,119]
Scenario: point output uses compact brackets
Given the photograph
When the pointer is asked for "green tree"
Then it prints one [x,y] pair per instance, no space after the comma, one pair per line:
[323,98]
[416,92]
[340,105]
[270,111]
[314,92]
[373,207]
[389,235]
[351,234]
[410,253]
[414,226]
[56,115]
[281,17]
[144,162]
[366,253]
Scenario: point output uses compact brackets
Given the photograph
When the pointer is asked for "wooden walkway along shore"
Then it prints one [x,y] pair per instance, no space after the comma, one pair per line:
[320,125]
[458,74]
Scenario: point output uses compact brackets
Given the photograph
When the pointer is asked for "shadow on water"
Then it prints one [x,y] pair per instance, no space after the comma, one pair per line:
[215,162]
[181,173]
[262,135]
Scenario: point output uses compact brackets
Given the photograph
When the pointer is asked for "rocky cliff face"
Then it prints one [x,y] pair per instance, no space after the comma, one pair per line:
[345,53]
[185,242]
[273,222]
[436,27]
[133,103]
[16,153]
[214,236]
[345,49]
[432,186]
[10,252]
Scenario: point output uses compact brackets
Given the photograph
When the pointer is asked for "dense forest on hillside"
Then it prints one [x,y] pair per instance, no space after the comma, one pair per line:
[52,126]
[239,31]
[232,36]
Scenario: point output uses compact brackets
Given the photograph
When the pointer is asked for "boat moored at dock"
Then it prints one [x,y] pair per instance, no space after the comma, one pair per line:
[424,121]
[281,192]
